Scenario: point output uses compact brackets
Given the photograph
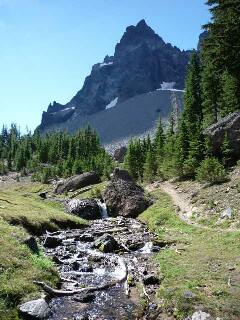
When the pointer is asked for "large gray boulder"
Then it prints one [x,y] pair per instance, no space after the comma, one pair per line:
[88,209]
[77,182]
[120,153]
[123,197]
[216,133]
[35,309]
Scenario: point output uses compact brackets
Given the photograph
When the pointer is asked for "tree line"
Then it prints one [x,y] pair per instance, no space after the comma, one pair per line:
[212,91]
[52,155]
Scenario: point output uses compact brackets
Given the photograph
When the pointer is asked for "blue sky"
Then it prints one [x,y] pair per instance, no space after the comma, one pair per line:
[49,46]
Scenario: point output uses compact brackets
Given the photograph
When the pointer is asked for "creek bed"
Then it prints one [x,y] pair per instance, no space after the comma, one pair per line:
[90,258]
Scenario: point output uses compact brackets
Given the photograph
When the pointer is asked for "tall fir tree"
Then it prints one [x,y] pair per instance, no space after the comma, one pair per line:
[221,55]
[149,165]
[159,146]
[229,101]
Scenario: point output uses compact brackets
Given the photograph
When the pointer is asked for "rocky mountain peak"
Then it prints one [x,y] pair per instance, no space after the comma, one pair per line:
[142,63]
[136,36]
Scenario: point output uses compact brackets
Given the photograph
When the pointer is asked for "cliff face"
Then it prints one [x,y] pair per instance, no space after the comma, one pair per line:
[142,63]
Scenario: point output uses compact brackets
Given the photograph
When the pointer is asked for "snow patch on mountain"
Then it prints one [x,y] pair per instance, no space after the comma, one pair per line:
[112,103]
[167,85]
[105,64]
[72,108]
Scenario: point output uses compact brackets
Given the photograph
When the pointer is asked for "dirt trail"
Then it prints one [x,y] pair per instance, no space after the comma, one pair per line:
[182,202]
[180,199]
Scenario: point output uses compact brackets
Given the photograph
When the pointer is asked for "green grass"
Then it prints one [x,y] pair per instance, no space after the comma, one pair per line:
[200,261]
[18,269]
[21,205]
[23,212]
[94,191]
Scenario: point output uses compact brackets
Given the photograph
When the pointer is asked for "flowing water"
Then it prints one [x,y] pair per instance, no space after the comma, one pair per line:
[81,263]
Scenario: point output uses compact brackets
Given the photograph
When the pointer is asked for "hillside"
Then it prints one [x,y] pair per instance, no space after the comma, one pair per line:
[135,117]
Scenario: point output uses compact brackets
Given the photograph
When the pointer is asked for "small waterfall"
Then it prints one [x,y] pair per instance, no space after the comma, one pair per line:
[103,209]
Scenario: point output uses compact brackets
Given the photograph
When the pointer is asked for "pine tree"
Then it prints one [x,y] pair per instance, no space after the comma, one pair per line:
[229,98]
[192,113]
[221,54]
[210,94]
[168,166]
[181,147]
[159,146]
[130,161]
[226,150]
[188,138]
[149,166]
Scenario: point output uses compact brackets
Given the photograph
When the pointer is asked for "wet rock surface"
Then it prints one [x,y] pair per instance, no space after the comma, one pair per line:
[83,263]
[123,197]
[87,208]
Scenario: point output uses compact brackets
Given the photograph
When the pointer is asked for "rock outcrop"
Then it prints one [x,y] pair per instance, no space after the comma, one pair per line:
[142,63]
[87,208]
[77,182]
[230,125]
[123,197]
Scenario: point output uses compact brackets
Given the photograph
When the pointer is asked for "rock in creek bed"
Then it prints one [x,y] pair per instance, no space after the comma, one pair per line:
[87,208]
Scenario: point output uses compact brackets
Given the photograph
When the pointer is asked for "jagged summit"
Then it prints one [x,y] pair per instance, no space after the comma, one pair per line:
[141,27]
[142,24]
[138,35]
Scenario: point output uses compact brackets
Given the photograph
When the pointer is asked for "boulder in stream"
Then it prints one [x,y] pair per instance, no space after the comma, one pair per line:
[76,182]
[123,196]
[35,309]
[107,244]
[88,209]
[52,242]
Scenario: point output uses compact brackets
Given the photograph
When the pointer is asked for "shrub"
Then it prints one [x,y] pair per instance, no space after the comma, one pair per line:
[96,193]
[211,170]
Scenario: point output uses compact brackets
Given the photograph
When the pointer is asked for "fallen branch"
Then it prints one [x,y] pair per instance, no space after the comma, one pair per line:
[68,280]
[56,292]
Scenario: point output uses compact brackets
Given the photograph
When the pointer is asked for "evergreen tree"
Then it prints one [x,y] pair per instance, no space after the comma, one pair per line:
[192,112]
[221,54]
[188,139]
[226,150]
[229,98]
[210,94]
[130,160]
[159,146]
[149,166]
[168,166]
